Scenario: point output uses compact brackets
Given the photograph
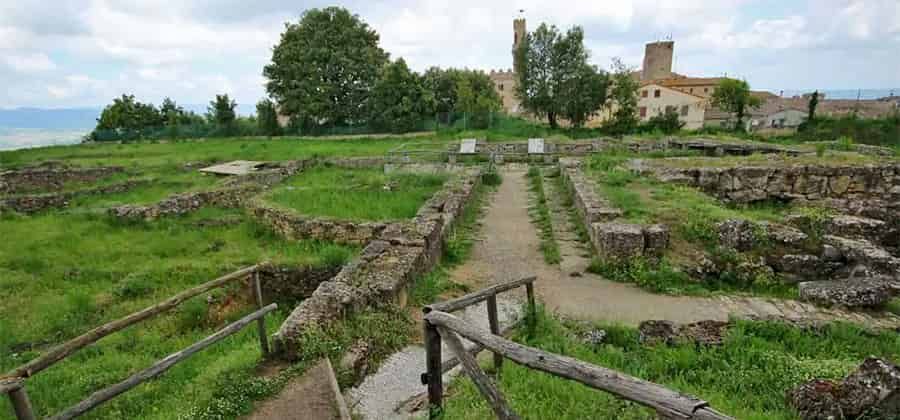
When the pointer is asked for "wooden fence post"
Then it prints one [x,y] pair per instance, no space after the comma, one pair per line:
[20,403]
[482,382]
[532,309]
[433,375]
[495,328]
[261,322]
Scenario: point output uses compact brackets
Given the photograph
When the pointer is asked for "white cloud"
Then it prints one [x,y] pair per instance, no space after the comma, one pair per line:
[28,63]
[193,49]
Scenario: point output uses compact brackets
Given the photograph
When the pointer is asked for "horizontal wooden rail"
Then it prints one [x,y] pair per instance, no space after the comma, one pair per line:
[479,296]
[666,402]
[64,350]
[159,367]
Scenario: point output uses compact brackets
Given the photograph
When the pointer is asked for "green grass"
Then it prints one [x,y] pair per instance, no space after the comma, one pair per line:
[356,194]
[386,330]
[540,216]
[64,273]
[746,378]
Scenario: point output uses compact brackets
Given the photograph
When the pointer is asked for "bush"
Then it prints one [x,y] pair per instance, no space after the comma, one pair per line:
[667,123]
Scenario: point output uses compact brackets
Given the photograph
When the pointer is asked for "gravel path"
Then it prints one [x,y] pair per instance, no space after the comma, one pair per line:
[508,249]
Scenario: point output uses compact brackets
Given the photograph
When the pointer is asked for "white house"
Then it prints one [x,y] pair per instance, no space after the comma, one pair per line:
[654,99]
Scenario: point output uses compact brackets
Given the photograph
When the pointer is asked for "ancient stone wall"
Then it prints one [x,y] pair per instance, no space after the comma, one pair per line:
[34,203]
[798,183]
[386,267]
[50,178]
[291,225]
[290,285]
[184,203]
[611,239]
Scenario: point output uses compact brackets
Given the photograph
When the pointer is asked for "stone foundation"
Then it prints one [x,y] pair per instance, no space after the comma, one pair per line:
[291,225]
[386,267]
[29,204]
[799,183]
[50,177]
[611,239]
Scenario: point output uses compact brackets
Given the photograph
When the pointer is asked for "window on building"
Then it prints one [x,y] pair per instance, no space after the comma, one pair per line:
[705,90]
[643,94]
[642,111]
[656,93]
[501,86]
[691,90]
[684,110]
[670,109]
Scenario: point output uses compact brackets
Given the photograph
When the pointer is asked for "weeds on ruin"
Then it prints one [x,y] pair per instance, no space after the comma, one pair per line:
[540,216]
[747,377]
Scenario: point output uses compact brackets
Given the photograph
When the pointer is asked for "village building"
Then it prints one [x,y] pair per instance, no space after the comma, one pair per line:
[655,99]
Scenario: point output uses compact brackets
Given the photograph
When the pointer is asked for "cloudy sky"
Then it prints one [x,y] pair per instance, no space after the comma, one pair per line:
[64,53]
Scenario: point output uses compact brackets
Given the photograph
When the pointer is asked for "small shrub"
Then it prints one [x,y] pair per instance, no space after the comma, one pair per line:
[845,144]
[135,285]
[820,149]
[491,178]
[193,314]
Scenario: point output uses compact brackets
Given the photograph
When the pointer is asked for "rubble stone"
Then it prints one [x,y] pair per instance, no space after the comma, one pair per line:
[852,293]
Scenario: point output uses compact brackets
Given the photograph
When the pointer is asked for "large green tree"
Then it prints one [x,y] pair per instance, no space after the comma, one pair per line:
[126,118]
[733,96]
[221,113]
[399,101]
[584,94]
[624,97]
[550,66]
[324,67]
[446,84]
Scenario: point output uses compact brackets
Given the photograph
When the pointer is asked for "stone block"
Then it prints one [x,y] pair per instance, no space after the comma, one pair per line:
[851,293]
[656,240]
[618,240]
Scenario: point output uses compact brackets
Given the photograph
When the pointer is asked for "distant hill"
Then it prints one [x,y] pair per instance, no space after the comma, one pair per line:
[77,118]
[64,118]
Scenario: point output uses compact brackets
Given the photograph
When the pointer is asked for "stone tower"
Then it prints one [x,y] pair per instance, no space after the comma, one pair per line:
[519,32]
[658,60]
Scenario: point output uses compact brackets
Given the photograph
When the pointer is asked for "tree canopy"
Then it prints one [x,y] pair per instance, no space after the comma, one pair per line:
[399,101]
[733,96]
[552,67]
[324,67]
[625,100]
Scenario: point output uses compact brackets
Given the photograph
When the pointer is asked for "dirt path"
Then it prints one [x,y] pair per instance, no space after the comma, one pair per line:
[509,249]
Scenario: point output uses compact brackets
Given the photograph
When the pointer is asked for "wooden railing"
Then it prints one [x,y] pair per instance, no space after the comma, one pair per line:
[13,382]
[441,325]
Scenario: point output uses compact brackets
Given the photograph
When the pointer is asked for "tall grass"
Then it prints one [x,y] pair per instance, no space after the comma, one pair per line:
[747,377]
[540,216]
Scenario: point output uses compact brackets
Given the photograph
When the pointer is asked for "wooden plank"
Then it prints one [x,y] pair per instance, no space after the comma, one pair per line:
[494,324]
[21,404]
[481,380]
[62,351]
[663,400]
[475,349]
[476,297]
[159,367]
[433,374]
[10,384]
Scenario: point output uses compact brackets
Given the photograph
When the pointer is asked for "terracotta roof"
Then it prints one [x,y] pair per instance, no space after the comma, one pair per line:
[690,81]
[654,83]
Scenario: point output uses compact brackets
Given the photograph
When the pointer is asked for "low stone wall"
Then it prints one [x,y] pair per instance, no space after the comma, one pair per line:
[179,204]
[790,183]
[34,203]
[386,267]
[235,192]
[291,225]
[50,177]
[611,239]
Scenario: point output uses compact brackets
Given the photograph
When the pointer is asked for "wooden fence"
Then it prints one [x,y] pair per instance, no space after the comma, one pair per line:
[441,325]
[13,382]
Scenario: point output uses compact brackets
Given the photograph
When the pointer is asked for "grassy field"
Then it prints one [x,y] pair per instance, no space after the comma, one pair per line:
[64,273]
[746,378]
[356,194]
